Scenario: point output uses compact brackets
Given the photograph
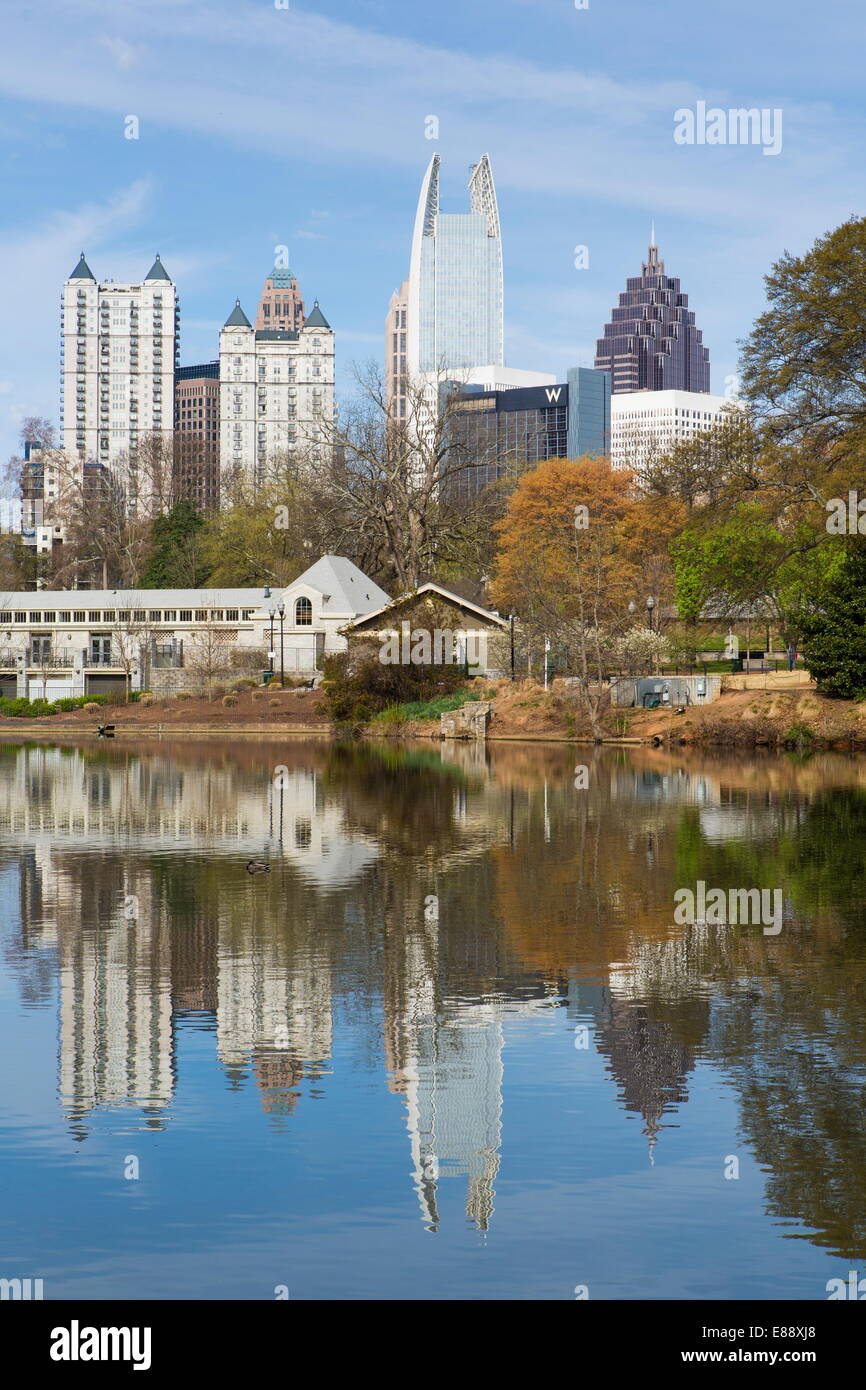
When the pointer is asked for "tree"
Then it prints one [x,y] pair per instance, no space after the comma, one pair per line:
[176,560]
[833,636]
[803,366]
[392,481]
[131,632]
[575,546]
[208,652]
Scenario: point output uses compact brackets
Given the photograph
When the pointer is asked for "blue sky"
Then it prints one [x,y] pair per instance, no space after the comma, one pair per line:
[306,126]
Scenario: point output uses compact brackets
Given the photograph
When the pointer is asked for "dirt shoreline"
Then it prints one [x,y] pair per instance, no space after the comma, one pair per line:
[776,710]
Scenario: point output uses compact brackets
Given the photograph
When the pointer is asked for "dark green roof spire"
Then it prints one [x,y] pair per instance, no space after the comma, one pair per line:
[157,271]
[237,318]
[82,271]
[316,319]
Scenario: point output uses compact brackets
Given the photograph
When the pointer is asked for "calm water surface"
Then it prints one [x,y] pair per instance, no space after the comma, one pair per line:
[451,1045]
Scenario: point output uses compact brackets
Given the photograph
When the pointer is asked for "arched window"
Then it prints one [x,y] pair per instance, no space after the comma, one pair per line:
[303,613]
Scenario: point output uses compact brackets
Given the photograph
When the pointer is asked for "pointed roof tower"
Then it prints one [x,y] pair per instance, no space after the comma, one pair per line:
[157,271]
[237,318]
[82,271]
[316,319]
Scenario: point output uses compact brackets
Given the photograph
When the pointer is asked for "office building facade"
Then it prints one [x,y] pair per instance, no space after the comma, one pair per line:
[645,424]
[281,305]
[454,305]
[652,342]
[504,433]
[196,434]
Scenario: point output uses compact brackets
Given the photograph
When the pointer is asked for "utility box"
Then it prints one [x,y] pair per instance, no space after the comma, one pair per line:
[665,692]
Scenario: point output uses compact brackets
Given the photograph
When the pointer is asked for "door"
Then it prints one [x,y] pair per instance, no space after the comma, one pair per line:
[100,651]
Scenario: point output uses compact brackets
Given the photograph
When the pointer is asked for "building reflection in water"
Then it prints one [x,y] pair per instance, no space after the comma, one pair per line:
[136,915]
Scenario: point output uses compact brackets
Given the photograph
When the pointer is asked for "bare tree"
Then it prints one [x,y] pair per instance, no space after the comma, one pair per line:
[395,481]
[131,633]
[209,651]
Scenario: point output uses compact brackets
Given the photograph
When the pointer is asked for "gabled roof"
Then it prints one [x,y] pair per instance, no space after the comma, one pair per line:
[157,271]
[316,319]
[474,609]
[82,271]
[344,588]
[237,318]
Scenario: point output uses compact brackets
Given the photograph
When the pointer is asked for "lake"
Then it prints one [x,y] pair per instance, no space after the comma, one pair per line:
[451,1044]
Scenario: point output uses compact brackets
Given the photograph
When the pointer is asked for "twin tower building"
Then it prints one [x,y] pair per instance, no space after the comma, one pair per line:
[271,390]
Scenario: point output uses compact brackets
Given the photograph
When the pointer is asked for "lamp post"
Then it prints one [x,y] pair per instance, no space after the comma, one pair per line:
[650,605]
[281,609]
[271,653]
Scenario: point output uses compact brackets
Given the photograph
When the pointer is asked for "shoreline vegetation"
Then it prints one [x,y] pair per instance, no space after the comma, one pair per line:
[776,710]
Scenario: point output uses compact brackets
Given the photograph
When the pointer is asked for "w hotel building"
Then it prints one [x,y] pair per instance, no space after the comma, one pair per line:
[505,432]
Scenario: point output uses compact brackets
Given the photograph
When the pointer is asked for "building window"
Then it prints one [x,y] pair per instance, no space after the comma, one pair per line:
[80,616]
[186,615]
[155,615]
[303,613]
[21,617]
[231,615]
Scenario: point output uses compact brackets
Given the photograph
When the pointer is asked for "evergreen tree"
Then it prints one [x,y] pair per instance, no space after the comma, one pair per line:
[834,635]
[176,560]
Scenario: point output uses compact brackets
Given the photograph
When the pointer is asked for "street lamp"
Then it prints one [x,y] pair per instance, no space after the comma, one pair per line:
[650,605]
[632,608]
[271,653]
[281,609]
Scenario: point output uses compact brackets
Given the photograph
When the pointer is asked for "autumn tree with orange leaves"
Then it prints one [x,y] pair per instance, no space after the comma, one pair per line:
[577,544]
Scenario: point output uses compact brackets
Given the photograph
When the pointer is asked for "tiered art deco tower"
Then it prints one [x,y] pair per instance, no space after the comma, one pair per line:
[651,343]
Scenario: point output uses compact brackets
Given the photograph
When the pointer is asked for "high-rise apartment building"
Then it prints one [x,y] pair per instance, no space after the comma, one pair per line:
[454,315]
[281,305]
[651,342]
[119,349]
[196,434]
[276,391]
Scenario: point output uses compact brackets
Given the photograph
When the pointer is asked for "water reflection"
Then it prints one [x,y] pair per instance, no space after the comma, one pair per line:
[430,901]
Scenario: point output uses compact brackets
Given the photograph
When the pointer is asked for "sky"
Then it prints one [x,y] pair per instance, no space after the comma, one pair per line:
[307,126]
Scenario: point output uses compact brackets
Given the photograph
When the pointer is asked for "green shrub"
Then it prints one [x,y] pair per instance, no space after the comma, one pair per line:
[358,685]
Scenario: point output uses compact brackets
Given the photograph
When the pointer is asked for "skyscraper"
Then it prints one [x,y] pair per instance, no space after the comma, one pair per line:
[119,354]
[651,342]
[281,305]
[395,350]
[197,434]
[454,301]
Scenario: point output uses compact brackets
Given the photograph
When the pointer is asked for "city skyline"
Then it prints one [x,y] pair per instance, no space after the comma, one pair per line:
[723,215]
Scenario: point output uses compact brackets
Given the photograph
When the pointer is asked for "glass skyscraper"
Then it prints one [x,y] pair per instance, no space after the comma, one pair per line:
[455,318]
[502,434]
[651,343]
